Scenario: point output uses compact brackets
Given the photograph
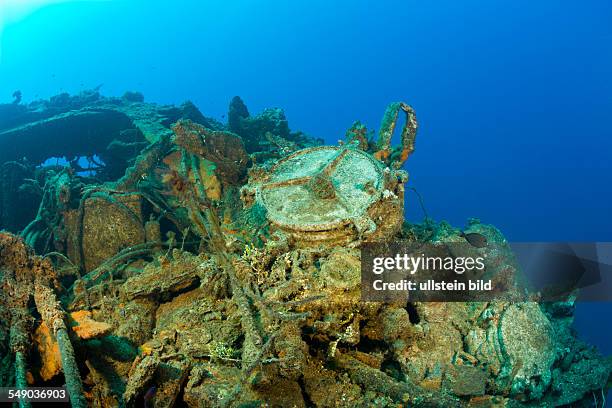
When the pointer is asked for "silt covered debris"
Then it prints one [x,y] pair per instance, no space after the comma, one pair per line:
[168,259]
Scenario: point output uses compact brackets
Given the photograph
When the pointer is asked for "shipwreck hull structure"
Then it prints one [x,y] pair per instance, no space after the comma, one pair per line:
[196,263]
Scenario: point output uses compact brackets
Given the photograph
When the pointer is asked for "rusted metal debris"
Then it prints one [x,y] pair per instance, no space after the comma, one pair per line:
[212,265]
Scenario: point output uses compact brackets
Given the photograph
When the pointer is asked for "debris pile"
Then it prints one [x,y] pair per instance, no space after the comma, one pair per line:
[182,261]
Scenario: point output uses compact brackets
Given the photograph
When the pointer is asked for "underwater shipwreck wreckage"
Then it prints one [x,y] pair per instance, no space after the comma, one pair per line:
[196,263]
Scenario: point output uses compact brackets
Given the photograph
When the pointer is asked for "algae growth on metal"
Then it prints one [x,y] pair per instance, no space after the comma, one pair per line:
[174,260]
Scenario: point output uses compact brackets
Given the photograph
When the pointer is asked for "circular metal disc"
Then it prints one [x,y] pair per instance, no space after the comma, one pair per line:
[356,180]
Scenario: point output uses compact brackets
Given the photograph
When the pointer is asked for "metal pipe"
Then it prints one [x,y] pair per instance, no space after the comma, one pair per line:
[20,377]
[53,315]
[71,370]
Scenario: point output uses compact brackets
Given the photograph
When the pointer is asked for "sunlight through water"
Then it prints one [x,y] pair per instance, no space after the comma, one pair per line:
[12,11]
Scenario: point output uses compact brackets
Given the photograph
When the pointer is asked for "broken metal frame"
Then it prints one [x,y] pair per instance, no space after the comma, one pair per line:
[33,277]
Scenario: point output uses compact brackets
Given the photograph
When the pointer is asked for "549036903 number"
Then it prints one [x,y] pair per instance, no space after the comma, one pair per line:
[34,394]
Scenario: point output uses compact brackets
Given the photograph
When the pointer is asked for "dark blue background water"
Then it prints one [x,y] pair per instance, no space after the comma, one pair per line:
[514,98]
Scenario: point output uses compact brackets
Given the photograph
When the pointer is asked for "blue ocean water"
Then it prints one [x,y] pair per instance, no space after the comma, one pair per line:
[514,98]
